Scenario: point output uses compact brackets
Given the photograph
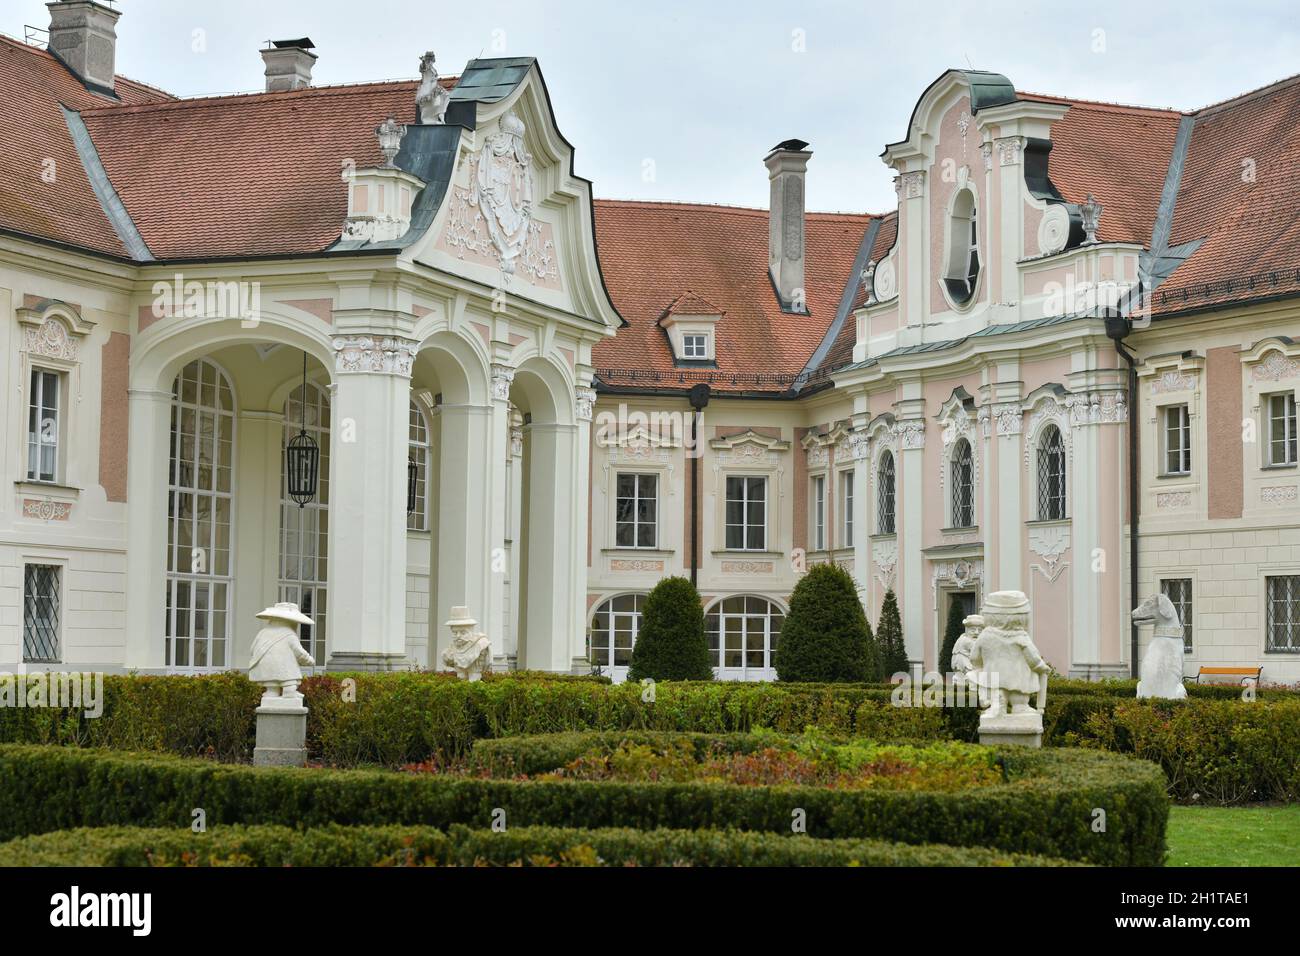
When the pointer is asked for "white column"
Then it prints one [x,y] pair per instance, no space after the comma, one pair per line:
[467,528]
[580,494]
[260,435]
[367,543]
[551,536]
[909,489]
[514,533]
[146,547]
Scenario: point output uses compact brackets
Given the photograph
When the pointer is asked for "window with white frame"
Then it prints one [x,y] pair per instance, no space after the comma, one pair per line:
[1282,614]
[962,473]
[743,635]
[963,249]
[41,643]
[1051,475]
[614,629]
[1282,429]
[43,409]
[200,505]
[1179,592]
[846,509]
[885,494]
[304,529]
[695,346]
[636,511]
[746,514]
[418,452]
[1177,440]
[817,513]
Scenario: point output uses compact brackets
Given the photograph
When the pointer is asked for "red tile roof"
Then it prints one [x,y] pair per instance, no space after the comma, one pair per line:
[692,304]
[652,253]
[44,191]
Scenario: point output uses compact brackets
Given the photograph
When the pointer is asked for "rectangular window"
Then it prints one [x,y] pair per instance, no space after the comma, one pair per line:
[41,613]
[636,511]
[846,508]
[1281,429]
[817,522]
[1178,440]
[746,513]
[1179,592]
[1282,600]
[43,426]
[695,346]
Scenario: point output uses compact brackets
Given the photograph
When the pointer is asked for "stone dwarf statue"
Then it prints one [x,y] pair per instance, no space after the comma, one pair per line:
[470,651]
[961,650]
[1006,666]
[1161,673]
[278,654]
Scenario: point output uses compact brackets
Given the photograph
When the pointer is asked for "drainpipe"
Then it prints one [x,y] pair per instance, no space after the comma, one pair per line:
[699,398]
[1117,327]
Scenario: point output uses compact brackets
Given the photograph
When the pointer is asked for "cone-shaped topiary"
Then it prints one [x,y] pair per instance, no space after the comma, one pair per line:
[889,636]
[953,630]
[826,636]
[670,644]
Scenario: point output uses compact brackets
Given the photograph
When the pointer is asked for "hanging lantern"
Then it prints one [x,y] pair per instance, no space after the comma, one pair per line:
[412,479]
[302,455]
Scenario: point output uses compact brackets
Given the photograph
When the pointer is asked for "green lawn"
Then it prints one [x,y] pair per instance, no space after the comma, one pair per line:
[1234,836]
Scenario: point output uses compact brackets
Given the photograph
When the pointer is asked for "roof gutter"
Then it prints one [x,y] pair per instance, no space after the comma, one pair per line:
[108,198]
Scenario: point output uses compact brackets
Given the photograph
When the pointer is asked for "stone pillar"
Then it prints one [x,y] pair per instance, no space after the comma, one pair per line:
[514,535]
[499,460]
[281,736]
[910,522]
[146,543]
[260,463]
[367,543]
[579,491]
[467,476]
[552,532]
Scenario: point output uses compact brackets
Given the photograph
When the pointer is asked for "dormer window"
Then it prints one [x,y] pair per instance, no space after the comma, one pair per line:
[963,266]
[695,346]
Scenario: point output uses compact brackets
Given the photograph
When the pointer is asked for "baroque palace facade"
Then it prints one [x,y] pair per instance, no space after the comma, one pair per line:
[1067,363]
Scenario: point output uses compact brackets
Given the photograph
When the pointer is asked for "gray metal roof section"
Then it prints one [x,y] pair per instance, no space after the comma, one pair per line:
[489,81]
[988,89]
[430,153]
[846,302]
[1159,262]
[108,198]
[953,343]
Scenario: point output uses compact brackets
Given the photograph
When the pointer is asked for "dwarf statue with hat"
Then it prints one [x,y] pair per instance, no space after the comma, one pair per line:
[277,655]
[470,651]
[1006,666]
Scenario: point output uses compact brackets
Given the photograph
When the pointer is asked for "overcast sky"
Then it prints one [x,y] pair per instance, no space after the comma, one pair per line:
[703,88]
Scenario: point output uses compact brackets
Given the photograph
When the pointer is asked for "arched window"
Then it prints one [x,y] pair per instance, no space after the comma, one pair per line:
[962,474]
[1051,475]
[304,531]
[963,267]
[743,635]
[418,452]
[614,628]
[885,495]
[200,501]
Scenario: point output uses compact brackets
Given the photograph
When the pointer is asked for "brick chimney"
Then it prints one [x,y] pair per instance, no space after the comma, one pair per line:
[288,64]
[787,164]
[83,39]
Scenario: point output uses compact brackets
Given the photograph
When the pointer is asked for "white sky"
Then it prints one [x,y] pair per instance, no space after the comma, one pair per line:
[704,88]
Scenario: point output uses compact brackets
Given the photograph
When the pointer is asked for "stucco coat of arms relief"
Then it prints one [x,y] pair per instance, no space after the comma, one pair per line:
[490,219]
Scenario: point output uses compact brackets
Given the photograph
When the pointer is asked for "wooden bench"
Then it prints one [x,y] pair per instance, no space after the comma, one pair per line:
[1246,674]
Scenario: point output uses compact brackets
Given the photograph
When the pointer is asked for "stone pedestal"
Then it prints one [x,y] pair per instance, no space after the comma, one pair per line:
[1025,730]
[281,736]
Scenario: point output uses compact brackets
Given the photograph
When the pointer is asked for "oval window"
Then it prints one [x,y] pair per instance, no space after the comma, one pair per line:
[963,267]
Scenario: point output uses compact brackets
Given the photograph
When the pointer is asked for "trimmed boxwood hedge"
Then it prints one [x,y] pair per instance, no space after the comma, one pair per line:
[1047,807]
[525,756]
[461,846]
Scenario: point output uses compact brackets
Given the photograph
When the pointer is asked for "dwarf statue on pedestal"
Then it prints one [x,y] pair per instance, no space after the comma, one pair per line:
[470,651]
[278,654]
[1007,667]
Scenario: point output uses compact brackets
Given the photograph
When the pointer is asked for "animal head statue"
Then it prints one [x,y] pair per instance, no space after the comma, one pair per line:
[1158,611]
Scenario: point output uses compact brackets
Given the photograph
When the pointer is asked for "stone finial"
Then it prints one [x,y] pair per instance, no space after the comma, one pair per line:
[1091,212]
[390,133]
[431,99]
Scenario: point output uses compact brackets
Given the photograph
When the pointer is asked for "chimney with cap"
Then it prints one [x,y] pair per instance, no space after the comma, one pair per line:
[786,165]
[83,39]
[288,64]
